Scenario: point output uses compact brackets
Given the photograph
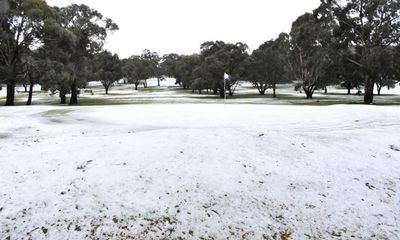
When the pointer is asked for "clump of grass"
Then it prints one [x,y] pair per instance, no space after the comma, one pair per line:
[4,135]
[57,112]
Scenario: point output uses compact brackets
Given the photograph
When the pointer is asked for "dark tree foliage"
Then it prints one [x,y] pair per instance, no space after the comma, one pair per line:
[364,26]
[185,66]
[168,64]
[108,69]
[383,68]
[309,59]
[21,28]
[217,58]
[265,67]
[90,29]
[137,69]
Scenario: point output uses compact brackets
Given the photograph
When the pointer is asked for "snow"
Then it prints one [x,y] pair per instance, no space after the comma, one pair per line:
[168,92]
[200,170]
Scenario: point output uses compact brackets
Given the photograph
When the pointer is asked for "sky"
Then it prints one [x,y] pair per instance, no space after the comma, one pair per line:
[180,26]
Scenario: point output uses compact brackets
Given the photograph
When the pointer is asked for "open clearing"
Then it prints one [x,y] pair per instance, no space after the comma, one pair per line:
[169,93]
[200,171]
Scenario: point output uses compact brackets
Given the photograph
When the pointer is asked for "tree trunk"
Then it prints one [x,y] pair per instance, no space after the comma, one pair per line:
[63,98]
[215,91]
[309,93]
[10,93]
[31,84]
[106,88]
[379,88]
[274,90]
[222,93]
[326,90]
[348,91]
[74,94]
[230,92]
[25,87]
[136,86]
[368,90]
[261,91]
[158,81]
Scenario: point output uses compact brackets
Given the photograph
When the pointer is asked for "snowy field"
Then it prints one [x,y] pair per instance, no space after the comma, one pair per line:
[169,93]
[203,171]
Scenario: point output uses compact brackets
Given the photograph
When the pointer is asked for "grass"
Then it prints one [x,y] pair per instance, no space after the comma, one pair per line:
[186,96]
[85,101]
[58,112]
[152,89]
[4,135]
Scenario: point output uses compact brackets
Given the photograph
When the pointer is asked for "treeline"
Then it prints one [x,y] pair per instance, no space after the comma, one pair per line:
[353,43]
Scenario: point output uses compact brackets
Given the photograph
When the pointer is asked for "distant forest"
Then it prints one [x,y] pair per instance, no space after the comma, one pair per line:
[353,43]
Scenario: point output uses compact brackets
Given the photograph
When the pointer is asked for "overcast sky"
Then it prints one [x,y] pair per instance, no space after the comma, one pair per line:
[180,26]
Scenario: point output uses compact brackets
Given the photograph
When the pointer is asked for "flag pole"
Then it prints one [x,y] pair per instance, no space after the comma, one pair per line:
[224,90]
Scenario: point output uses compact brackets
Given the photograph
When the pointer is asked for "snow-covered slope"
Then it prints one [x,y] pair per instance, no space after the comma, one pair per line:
[191,171]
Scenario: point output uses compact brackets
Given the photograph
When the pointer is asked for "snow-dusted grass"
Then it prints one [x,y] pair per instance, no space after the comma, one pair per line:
[191,171]
[169,93]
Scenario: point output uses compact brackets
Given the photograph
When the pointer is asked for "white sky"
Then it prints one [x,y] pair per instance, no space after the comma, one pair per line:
[180,26]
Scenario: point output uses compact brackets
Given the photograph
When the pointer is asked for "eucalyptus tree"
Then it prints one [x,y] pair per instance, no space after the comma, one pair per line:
[309,58]
[31,74]
[90,29]
[185,67]
[384,68]
[168,64]
[137,69]
[362,26]
[265,66]
[55,70]
[217,58]
[21,26]
[56,76]
[108,69]
[150,61]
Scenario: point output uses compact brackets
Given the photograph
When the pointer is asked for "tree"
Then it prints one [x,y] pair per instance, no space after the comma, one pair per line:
[151,62]
[185,69]
[91,29]
[53,58]
[217,58]
[108,69]
[309,59]
[21,26]
[168,64]
[265,66]
[32,73]
[137,69]
[348,74]
[384,68]
[56,76]
[362,26]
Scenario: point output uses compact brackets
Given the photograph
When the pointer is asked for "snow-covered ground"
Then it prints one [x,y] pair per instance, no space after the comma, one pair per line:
[191,171]
[168,92]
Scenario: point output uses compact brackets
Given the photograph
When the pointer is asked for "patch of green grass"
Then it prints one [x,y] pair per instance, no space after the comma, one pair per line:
[152,89]
[316,102]
[18,101]
[59,111]
[285,99]
[84,101]
[4,135]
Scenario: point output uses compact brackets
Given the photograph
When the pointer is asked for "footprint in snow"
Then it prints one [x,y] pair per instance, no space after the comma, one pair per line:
[370,186]
[84,165]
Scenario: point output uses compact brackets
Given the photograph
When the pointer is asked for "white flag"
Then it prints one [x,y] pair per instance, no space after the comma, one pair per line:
[226,77]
